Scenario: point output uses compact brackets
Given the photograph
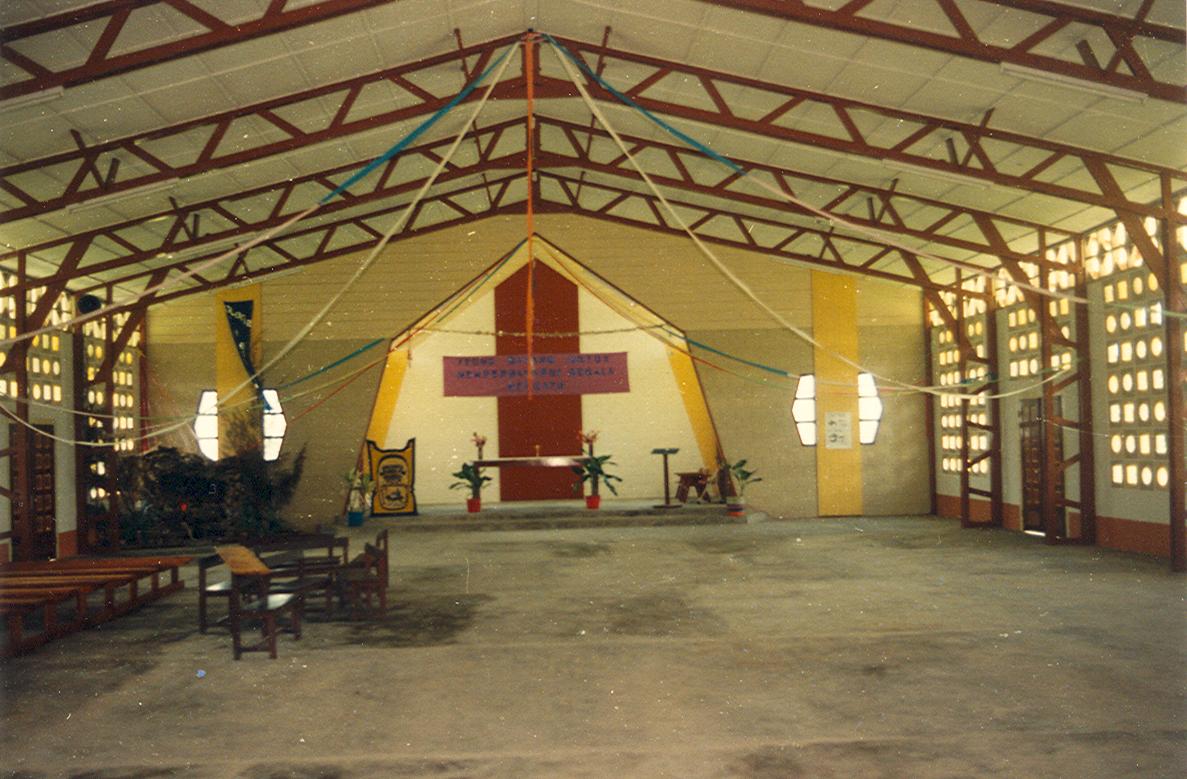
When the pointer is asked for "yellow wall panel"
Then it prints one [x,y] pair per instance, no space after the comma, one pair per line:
[834,326]
[689,384]
[387,395]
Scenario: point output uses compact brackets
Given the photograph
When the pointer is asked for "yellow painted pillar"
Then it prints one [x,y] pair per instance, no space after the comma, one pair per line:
[694,405]
[386,396]
[240,420]
[838,452]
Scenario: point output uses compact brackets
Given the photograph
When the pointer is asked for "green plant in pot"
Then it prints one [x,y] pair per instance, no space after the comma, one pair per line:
[360,486]
[593,470]
[471,478]
[742,476]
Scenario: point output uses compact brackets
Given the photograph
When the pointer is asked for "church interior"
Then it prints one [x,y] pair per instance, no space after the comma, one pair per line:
[700,387]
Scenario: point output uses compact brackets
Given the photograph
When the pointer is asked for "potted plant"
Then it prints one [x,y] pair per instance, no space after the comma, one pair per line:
[360,485]
[736,504]
[593,470]
[471,478]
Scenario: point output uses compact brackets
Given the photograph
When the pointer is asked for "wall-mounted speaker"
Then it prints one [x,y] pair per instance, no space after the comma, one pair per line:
[86,304]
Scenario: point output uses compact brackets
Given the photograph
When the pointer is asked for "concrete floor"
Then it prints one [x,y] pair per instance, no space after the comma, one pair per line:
[821,648]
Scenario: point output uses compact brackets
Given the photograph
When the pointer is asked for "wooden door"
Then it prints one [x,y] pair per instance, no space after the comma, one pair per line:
[35,529]
[1031,427]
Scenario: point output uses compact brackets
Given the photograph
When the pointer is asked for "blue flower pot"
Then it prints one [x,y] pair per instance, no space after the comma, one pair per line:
[354,519]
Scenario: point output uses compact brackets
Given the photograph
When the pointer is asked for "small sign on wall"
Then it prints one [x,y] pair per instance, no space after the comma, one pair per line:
[838,430]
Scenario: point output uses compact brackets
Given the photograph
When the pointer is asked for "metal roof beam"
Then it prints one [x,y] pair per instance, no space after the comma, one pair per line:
[980,160]
[290,250]
[211,153]
[787,244]
[209,32]
[921,142]
[244,214]
[1120,63]
[575,150]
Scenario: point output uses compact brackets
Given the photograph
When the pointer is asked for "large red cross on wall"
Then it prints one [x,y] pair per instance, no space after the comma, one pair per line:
[550,422]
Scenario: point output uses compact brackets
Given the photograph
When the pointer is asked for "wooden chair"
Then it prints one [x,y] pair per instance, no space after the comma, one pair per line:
[307,578]
[365,576]
[251,599]
[297,571]
[280,552]
[381,543]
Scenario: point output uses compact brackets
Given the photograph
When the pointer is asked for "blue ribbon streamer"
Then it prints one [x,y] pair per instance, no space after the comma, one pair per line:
[687,139]
[333,365]
[377,341]
[420,130]
[728,356]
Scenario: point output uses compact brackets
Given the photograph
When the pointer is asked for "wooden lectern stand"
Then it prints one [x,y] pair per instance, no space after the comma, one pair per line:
[667,504]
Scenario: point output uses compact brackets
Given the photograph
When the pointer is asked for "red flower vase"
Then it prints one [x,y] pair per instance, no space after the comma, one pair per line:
[473,505]
[593,501]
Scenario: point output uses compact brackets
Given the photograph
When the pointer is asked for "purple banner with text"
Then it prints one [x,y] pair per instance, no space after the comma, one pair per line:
[550,374]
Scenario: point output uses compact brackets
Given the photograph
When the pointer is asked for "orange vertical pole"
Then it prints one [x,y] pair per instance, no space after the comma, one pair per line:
[529,67]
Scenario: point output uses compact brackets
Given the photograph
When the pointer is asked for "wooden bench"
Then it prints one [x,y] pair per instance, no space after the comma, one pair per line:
[251,599]
[146,570]
[27,588]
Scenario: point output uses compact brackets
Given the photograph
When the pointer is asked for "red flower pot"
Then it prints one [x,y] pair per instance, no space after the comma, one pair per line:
[593,501]
[473,505]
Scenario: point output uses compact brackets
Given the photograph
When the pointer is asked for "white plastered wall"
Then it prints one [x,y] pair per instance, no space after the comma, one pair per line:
[650,416]
[442,426]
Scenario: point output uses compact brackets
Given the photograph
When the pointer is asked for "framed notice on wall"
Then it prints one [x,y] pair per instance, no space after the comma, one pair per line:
[838,430]
[506,375]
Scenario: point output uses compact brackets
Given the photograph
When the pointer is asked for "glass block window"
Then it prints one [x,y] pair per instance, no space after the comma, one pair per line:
[1023,337]
[44,358]
[803,409]
[275,424]
[947,356]
[1136,381]
[947,373]
[1109,250]
[124,387]
[1135,359]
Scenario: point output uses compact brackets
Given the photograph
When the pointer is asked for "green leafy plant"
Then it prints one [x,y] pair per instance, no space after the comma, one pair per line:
[743,476]
[470,478]
[593,470]
[167,496]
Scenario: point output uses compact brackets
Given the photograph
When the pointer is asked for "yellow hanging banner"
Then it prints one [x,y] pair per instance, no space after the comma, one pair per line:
[394,475]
